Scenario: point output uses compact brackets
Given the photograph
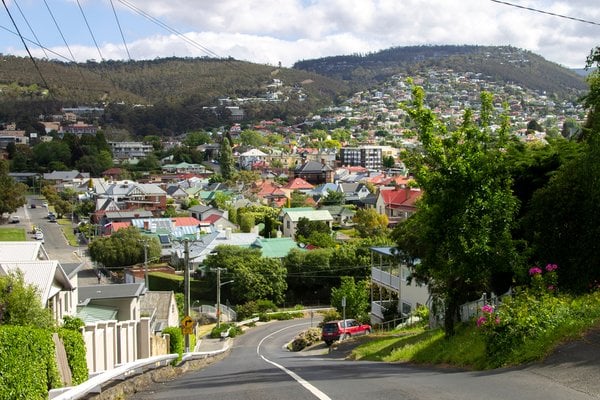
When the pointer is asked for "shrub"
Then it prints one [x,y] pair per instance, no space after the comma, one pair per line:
[330,315]
[305,339]
[247,310]
[265,306]
[176,341]
[27,363]
[234,330]
[75,349]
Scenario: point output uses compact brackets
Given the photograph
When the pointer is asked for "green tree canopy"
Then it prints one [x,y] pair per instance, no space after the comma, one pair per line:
[21,304]
[226,161]
[462,229]
[12,194]
[333,198]
[254,277]
[369,223]
[357,298]
[123,248]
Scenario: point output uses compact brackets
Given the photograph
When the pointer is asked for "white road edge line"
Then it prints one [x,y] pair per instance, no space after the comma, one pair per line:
[307,385]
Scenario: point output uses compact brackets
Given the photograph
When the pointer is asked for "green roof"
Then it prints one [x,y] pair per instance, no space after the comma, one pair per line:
[92,313]
[276,247]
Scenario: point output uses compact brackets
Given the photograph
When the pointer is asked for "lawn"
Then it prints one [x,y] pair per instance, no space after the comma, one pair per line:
[12,235]
[67,230]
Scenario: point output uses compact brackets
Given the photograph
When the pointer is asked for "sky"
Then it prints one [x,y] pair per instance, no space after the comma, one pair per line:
[285,31]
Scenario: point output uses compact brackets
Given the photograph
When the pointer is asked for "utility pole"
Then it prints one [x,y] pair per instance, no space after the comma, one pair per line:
[146,280]
[186,288]
[218,298]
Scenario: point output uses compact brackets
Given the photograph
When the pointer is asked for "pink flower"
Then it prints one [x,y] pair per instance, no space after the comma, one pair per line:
[487,309]
[551,288]
[535,271]
[497,320]
[481,321]
[551,267]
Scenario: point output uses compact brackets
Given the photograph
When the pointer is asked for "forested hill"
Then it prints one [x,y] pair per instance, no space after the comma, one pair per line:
[500,63]
[172,80]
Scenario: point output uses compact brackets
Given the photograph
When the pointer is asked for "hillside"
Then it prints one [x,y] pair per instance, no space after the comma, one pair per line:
[503,63]
[171,80]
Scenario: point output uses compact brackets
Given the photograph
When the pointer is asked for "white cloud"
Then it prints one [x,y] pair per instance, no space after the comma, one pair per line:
[269,31]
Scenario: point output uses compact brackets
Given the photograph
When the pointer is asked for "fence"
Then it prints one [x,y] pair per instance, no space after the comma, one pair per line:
[227,314]
[473,308]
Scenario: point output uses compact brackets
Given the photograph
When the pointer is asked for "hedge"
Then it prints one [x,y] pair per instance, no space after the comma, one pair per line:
[27,363]
[177,341]
[75,349]
[199,289]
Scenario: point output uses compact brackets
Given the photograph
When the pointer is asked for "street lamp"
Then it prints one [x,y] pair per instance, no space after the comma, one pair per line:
[219,284]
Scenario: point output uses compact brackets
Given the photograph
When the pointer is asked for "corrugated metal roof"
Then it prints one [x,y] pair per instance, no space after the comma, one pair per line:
[92,313]
[47,275]
[20,251]
[114,291]
[313,215]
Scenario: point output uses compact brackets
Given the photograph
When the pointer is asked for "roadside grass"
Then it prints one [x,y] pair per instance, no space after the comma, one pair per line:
[68,231]
[469,347]
[13,235]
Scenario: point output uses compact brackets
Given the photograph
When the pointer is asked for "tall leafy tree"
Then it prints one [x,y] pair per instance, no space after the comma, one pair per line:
[462,229]
[254,277]
[357,298]
[369,223]
[20,303]
[12,194]
[123,248]
[226,161]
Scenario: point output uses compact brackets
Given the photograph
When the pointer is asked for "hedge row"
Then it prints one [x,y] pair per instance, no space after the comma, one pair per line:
[27,363]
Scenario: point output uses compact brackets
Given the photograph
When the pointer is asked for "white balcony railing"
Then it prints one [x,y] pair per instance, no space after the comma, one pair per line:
[385,279]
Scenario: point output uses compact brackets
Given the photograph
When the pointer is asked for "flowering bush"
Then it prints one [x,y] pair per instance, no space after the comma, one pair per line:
[544,283]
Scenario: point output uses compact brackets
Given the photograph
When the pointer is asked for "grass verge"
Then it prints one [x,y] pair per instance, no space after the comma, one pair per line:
[68,231]
[12,235]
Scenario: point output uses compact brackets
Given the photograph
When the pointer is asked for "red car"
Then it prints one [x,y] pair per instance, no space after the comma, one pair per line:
[343,329]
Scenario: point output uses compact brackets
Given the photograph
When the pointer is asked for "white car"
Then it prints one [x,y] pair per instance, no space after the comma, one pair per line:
[15,219]
[39,235]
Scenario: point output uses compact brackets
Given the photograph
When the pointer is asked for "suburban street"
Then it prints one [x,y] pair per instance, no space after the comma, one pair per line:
[259,367]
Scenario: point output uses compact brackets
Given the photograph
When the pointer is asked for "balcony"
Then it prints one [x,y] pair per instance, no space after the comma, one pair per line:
[386,279]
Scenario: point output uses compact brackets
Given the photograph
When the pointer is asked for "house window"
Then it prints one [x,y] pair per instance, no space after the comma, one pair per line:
[406,308]
[67,301]
[288,224]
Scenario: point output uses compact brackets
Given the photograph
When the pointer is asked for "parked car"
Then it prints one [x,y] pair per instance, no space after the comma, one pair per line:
[52,218]
[15,219]
[39,235]
[343,329]
[51,215]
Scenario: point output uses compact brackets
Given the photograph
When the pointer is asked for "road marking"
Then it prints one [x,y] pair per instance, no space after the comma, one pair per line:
[308,386]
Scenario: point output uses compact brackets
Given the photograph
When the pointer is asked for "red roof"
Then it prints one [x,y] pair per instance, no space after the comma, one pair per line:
[401,198]
[185,221]
[211,219]
[267,188]
[298,183]
[119,225]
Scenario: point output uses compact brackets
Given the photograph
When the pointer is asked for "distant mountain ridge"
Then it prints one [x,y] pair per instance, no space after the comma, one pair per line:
[501,63]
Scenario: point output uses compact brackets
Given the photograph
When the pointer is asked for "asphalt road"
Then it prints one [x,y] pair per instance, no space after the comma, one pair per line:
[55,243]
[259,367]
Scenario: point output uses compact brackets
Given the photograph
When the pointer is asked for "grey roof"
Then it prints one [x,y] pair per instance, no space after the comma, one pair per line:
[200,208]
[158,301]
[65,175]
[312,167]
[71,269]
[114,291]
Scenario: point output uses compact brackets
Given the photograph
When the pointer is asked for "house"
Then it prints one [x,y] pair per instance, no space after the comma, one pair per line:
[314,172]
[250,157]
[342,216]
[300,185]
[389,278]
[161,307]
[275,247]
[184,168]
[122,300]
[202,212]
[354,193]
[66,178]
[216,222]
[54,286]
[291,216]
[57,286]
[176,193]
[397,204]
[129,195]
[130,150]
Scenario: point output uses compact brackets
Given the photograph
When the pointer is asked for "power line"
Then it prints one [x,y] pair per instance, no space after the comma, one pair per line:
[120,30]
[546,12]
[27,48]
[60,31]
[30,28]
[90,30]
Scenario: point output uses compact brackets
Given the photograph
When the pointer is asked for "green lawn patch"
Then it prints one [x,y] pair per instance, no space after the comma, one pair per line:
[67,231]
[13,235]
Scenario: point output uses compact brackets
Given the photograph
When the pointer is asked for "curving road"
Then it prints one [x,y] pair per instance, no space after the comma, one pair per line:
[259,367]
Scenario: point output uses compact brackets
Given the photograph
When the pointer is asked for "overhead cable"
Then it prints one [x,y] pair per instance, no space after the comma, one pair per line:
[30,28]
[120,30]
[546,12]
[90,30]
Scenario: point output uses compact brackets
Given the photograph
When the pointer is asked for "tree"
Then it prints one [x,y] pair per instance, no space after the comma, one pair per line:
[226,160]
[252,138]
[254,277]
[333,198]
[21,304]
[461,231]
[389,161]
[12,194]
[357,298]
[194,139]
[369,223]
[123,248]
[305,227]
[298,199]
